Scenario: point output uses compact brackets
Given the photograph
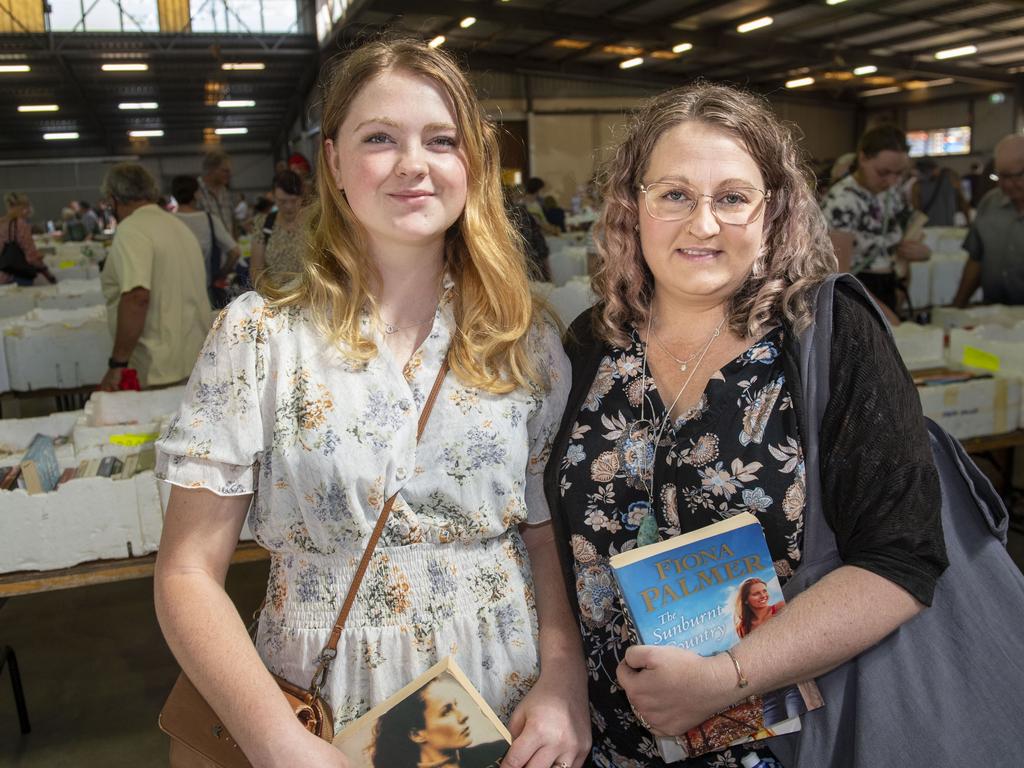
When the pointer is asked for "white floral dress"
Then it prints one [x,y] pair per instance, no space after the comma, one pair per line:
[272,409]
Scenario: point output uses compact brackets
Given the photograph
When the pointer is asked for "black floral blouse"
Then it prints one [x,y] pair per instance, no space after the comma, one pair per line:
[736,450]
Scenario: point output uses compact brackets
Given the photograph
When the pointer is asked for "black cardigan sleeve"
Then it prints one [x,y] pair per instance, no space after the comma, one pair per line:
[880,488]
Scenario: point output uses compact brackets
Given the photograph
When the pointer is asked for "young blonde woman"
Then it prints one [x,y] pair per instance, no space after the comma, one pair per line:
[304,405]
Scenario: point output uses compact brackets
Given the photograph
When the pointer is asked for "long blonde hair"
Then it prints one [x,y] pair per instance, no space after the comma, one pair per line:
[797,252]
[492,303]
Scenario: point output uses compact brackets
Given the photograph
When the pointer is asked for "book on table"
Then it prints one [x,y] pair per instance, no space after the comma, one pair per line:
[703,591]
[438,718]
[39,465]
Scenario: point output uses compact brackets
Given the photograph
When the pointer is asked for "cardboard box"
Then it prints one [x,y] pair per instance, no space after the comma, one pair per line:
[974,408]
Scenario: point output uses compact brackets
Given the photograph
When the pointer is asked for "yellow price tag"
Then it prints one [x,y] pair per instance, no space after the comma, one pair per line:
[131,440]
[979,358]
[67,264]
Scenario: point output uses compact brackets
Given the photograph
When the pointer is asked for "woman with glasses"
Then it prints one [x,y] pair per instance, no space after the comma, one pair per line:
[710,248]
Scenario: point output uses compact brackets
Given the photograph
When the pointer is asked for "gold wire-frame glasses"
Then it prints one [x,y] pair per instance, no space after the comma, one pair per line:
[737,206]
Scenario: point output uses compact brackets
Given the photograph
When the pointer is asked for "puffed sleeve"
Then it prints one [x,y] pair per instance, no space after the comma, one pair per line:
[880,488]
[216,439]
[551,362]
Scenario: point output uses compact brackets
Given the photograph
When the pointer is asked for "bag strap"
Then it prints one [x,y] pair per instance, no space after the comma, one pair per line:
[331,649]
[819,541]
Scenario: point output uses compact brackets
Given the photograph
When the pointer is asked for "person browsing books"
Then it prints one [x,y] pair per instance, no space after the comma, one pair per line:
[684,411]
[429,729]
[304,406]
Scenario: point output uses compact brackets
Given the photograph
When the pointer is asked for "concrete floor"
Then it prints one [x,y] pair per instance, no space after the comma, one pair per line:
[96,672]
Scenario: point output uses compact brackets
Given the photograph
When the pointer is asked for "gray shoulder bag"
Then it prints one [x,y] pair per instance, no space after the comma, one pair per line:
[947,687]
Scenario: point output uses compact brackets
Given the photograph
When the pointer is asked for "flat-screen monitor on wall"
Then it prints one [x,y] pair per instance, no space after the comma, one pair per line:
[939,142]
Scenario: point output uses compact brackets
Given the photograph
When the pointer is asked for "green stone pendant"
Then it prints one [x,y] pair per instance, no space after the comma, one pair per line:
[648,533]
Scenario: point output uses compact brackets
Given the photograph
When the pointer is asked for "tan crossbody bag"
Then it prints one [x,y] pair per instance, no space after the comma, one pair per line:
[199,738]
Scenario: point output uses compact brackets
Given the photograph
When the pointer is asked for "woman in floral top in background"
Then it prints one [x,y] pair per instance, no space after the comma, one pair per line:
[305,401]
[682,412]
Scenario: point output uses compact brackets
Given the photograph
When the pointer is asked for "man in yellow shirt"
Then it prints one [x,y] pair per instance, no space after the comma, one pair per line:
[154,283]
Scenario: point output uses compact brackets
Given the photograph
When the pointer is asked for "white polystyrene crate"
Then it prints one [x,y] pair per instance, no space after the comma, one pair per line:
[919,284]
[59,356]
[567,263]
[1006,345]
[920,346]
[69,294]
[945,239]
[107,408]
[15,300]
[16,434]
[85,519]
[113,440]
[986,314]
[974,408]
[84,250]
[947,269]
[571,299]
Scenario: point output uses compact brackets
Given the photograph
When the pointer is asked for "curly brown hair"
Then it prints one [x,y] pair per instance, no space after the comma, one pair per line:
[797,253]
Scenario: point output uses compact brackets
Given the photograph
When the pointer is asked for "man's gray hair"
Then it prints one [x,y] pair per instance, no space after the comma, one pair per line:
[214,159]
[129,183]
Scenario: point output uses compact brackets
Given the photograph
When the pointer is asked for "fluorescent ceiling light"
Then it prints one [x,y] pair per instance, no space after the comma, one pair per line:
[750,26]
[682,48]
[834,2]
[243,65]
[145,134]
[800,82]
[868,69]
[630,63]
[437,41]
[38,108]
[60,136]
[467,22]
[231,131]
[235,103]
[125,67]
[15,68]
[952,53]
[138,105]
[881,91]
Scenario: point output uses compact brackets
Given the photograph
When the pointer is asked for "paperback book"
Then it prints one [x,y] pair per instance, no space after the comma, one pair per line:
[437,719]
[39,465]
[704,591]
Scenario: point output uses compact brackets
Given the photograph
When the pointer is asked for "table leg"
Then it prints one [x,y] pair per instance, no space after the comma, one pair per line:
[9,660]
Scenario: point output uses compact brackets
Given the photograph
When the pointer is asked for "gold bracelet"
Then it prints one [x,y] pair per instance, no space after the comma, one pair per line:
[741,681]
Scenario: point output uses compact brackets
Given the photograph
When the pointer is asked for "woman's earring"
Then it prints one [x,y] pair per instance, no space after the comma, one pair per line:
[636,227]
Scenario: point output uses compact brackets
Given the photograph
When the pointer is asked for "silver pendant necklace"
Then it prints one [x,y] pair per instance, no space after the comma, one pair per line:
[390,329]
[648,528]
[683,364]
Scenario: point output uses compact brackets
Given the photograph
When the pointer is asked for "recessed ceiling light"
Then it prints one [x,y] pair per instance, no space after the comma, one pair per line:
[630,63]
[138,105]
[231,131]
[682,47]
[235,103]
[38,108]
[952,53]
[60,136]
[145,134]
[15,68]
[139,67]
[243,65]
[467,22]
[868,69]
[800,82]
[750,26]
[437,41]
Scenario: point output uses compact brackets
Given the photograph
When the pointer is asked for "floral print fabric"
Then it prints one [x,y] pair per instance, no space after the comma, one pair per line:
[876,222]
[321,442]
[735,451]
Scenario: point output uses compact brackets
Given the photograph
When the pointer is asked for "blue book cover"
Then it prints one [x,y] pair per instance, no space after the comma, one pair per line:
[39,465]
[703,591]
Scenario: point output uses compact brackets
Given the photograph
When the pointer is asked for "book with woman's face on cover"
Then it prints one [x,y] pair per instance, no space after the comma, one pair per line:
[439,719]
[704,591]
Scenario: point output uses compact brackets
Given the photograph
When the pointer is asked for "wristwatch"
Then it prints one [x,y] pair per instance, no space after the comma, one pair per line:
[112,363]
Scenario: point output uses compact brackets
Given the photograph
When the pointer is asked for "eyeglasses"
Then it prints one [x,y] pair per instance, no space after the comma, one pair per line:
[670,201]
[1018,176]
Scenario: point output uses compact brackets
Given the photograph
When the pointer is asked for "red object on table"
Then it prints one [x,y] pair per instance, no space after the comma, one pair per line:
[130,380]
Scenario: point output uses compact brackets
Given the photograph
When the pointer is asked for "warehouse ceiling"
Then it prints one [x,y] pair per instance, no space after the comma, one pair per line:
[864,51]
[892,45]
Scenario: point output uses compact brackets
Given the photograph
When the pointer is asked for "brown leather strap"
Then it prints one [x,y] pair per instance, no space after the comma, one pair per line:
[331,649]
